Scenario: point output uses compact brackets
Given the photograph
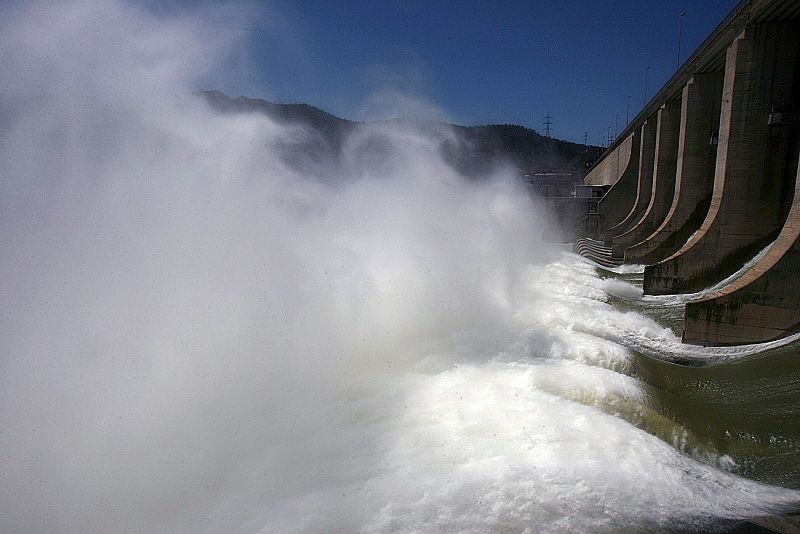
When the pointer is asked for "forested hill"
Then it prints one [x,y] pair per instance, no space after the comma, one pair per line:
[478,149]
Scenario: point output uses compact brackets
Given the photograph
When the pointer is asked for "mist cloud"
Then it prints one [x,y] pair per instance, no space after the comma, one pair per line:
[187,319]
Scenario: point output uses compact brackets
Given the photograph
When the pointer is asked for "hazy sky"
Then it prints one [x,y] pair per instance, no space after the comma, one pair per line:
[474,61]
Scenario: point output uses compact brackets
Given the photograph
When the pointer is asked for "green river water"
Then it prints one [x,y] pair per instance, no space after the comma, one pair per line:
[746,410]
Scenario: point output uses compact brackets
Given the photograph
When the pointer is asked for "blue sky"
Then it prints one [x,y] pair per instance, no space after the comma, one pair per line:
[473,62]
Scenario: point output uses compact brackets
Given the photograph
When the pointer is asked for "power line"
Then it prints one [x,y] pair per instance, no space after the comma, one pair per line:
[680,20]
[548,124]
[627,111]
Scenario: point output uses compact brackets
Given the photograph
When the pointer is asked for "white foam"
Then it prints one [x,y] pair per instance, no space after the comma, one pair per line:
[622,289]
[681,299]
[573,282]
[626,268]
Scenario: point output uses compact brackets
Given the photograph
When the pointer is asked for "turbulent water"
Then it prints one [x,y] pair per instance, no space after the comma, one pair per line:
[197,337]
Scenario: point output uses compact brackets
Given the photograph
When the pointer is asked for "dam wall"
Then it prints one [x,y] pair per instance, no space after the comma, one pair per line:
[620,170]
[705,178]
[663,178]
[762,305]
[694,179]
[749,201]
[644,186]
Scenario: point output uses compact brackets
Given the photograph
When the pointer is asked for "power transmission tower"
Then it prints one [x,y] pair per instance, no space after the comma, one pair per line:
[548,124]
[585,138]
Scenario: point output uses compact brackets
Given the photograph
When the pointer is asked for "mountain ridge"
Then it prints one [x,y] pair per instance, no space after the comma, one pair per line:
[484,147]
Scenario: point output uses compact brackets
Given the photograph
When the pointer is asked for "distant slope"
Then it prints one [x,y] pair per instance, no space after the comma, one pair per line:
[479,149]
[529,151]
[333,127]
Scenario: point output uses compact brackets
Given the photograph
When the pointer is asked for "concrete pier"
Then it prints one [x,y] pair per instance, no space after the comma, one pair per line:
[724,181]
[644,186]
[694,180]
[762,305]
[620,168]
[749,200]
[663,181]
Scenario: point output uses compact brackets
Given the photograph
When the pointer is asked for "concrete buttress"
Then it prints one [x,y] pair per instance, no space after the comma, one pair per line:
[694,180]
[616,204]
[663,182]
[644,186]
[763,304]
[753,188]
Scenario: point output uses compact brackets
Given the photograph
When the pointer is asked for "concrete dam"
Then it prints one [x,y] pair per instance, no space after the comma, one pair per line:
[702,185]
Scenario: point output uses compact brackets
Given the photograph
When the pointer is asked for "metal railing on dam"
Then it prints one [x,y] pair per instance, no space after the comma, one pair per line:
[706,177]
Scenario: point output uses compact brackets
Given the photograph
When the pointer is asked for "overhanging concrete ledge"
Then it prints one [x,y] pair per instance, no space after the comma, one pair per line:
[762,305]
